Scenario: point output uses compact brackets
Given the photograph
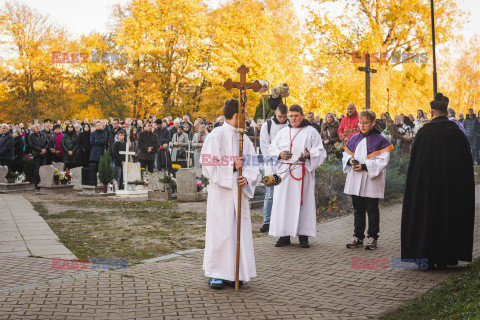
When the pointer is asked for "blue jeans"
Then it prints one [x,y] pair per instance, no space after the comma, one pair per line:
[267,205]
[118,175]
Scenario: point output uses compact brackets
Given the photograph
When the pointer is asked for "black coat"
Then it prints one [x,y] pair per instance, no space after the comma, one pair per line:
[6,146]
[439,201]
[164,160]
[116,148]
[84,148]
[38,141]
[18,145]
[147,139]
[163,134]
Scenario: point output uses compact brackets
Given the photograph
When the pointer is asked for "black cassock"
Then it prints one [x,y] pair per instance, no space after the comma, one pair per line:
[439,201]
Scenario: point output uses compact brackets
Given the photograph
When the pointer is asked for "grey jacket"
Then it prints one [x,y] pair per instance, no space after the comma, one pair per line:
[183,140]
[197,149]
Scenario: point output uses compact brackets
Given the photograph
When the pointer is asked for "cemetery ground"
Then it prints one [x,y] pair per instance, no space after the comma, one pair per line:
[135,228]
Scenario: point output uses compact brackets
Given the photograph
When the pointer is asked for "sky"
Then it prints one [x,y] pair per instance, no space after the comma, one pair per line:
[82,17]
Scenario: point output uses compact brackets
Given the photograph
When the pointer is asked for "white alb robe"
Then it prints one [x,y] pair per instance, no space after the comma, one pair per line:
[221,230]
[289,217]
[371,183]
[266,140]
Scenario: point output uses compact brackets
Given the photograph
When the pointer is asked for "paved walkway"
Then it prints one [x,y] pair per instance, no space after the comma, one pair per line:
[24,233]
[292,283]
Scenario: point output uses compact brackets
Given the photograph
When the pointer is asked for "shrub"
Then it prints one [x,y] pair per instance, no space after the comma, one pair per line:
[105,169]
[330,183]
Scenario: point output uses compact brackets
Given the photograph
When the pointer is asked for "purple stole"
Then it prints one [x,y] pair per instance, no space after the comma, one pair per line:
[376,144]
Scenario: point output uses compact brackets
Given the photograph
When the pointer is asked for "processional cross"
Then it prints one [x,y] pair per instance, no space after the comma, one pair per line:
[368,73]
[243,86]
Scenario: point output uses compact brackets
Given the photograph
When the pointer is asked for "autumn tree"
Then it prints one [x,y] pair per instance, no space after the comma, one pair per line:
[35,85]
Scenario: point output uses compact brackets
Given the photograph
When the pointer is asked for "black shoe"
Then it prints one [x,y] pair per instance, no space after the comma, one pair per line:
[304,242]
[356,242]
[37,188]
[265,228]
[232,283]
[283,241]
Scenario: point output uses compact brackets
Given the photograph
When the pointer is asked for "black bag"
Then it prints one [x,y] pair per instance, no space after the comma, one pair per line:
[181,153]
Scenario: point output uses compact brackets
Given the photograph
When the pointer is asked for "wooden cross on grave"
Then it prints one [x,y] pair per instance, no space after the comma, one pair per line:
[125,171]
[368,72]
[243,86]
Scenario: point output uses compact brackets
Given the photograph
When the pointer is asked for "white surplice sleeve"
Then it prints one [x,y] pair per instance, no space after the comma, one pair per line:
[220,174]
[376,165]
[318,154]
[346,157]
[265,140]
[250,170]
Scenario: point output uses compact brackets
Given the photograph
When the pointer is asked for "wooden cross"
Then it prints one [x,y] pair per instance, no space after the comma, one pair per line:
[368,72]
[243,86]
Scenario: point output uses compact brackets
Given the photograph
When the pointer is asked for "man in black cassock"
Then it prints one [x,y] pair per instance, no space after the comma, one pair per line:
[439,201]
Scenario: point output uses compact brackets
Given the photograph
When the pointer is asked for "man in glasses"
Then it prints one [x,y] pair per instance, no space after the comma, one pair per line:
[365,161]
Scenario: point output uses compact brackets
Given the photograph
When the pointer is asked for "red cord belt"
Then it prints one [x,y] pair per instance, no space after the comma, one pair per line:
[298,179]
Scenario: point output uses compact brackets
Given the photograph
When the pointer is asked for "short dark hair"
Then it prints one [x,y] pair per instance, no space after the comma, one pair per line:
[369,114]
[121,132]
[47,120]
[282,107]
[116,119]
[230,108]
[296,108]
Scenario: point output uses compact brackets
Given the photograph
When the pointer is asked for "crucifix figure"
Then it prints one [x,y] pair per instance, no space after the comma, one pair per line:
[125,165]
[243,86]
[368,73]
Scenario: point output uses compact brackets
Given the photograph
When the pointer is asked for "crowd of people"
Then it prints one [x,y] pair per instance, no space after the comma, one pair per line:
[159,143]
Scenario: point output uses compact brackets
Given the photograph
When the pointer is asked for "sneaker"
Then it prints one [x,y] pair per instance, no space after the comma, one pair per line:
[216,283]
[283,241]
[371,244]
[356,242]
[265,228]
[304,242]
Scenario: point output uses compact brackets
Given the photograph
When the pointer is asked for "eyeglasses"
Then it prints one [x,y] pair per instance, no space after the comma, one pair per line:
[364,123]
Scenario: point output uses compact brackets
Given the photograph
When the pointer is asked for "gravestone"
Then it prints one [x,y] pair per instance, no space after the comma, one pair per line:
[3,174]
[47,184]
[131,173]
[187,186]
[158,191]
[76,174]
[6,187]
[46,176]
[60,166]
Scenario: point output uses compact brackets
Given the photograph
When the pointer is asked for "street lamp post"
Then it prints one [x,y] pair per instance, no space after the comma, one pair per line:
[434,55]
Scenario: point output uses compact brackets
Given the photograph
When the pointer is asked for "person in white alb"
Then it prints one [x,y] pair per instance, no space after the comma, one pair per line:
[365,161]
[293,211]
[268,132]
[220,164]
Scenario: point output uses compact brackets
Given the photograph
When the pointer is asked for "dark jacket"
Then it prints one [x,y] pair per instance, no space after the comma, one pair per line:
[98,141]
[50,137]
[18,146]
[6,146]
[70,143]
[116,148]
[472,131]
[164,160]
[163,134]
[111,139]
[147,139]
[38,141]
[84,148]
[330,133]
